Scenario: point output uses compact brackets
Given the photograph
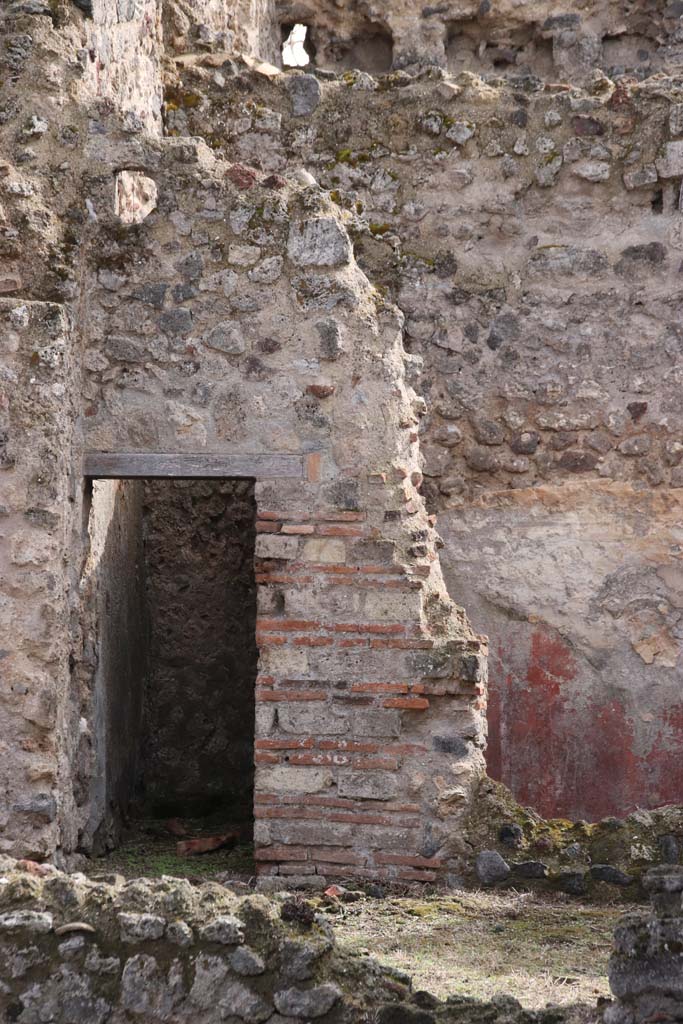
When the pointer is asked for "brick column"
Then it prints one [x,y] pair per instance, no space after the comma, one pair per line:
[369,726]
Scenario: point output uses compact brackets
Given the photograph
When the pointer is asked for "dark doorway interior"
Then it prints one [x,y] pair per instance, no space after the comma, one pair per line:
[198,717]
[170,601]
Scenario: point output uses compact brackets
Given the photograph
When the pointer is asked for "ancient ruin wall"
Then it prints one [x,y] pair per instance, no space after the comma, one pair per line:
[528,227]
[171,952]
[227,313]
[35,522]
[369,680]
[96,951]
[234,315]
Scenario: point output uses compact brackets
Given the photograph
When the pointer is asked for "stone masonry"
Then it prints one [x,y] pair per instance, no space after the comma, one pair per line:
[176,302]
[437,276]
[517,195]
[645,967]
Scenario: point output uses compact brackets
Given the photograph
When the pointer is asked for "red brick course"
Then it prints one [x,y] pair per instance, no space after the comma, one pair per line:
[357,725]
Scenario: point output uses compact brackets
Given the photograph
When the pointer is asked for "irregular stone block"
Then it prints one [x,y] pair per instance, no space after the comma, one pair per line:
[491,867]
[530,869]
[136,196]
[26,921]
[299,958]
[290,779]
[246,961]
[312,1002]
[635,259]
[146,992]
[303,719]
[376,722]
[141,927]
[592,170]
[179,933]
[371,785]
[226,929]
[393,607]
[321,242]
[64,996]
[239,1001]
[451,745]
[269,545]
[227,337]
[567,259]
[610,874]
[669,164]
[305,93]
[320,549]
[641,177]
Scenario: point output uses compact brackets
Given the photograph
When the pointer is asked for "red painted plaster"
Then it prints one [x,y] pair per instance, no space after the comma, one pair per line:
[565,756]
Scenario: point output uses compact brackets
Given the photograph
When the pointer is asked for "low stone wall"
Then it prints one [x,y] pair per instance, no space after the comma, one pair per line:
[514,847]
[74,949]
[645,970]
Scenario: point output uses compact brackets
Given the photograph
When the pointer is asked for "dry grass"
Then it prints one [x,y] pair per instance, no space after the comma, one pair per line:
[539,950]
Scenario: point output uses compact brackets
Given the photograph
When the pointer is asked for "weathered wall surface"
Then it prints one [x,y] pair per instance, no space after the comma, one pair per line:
[114,623]
[241,26]
[234,318]
[489,39]
[531,234]
[580,588]
[199,699]
[36,709]
[528,227]
[122,57]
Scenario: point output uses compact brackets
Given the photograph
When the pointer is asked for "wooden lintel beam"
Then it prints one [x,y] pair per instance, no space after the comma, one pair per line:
[126,465]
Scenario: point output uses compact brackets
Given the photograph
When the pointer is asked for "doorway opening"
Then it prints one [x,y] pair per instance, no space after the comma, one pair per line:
[169,609]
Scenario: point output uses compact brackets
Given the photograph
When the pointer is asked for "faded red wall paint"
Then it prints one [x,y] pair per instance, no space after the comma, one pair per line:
[665,761]
[564,755]
[494,751]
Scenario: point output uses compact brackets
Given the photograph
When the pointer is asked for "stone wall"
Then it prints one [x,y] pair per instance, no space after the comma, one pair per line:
[529,231]
[199,700]
[242,283]
[645,967]
[76,950]
[370,683]
[39,722]
[96,951]
[86,951]
[492,39]
[114,621]
[246,26]
[223,312]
